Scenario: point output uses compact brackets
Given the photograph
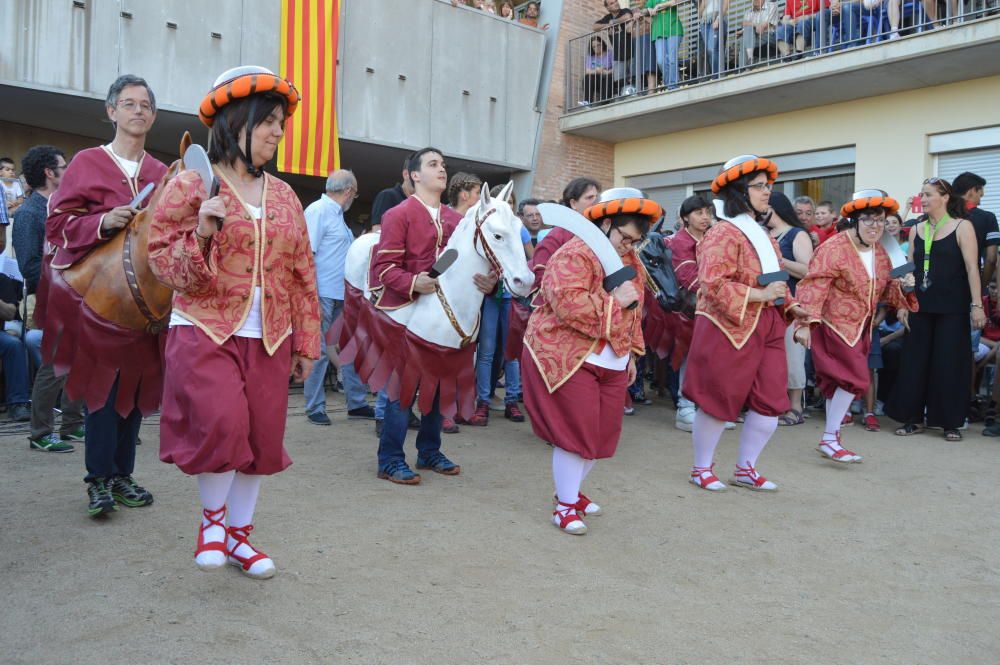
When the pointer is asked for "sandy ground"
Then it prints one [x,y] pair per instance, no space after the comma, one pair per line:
[891,561]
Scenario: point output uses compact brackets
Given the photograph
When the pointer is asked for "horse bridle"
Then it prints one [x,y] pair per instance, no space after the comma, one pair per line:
[491,258]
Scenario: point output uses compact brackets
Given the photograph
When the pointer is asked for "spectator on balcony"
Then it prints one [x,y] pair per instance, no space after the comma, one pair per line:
[531,12]
[488,6]
[507,10]
[712,18]
[758,30]
[616,26]
[845,19]
[597,74]
[666,33]
[643,53]
[801,26]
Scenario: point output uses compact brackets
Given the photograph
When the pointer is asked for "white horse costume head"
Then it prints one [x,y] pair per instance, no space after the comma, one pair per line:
[488,238]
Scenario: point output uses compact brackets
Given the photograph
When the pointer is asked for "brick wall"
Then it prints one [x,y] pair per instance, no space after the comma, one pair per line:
[563,157]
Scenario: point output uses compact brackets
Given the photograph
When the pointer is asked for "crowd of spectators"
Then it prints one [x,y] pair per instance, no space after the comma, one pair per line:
[642,45]
[505,9]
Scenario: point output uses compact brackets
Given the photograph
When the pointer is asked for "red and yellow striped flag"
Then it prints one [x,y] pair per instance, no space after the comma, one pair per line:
[309,31]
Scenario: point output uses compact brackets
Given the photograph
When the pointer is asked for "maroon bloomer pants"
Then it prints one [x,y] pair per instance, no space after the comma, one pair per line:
[224,406]
[722,379]
[584,415]
[839,365]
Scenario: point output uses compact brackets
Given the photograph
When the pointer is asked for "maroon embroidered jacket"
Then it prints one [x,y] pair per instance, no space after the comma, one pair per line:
[410,243]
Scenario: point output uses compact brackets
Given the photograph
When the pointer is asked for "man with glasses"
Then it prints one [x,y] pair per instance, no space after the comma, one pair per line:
[92,204]
[43,167]
[330,238]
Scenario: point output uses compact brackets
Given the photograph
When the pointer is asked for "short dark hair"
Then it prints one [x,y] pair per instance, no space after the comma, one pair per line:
[576,188]
[36,160]
[525,203]
[224,137]
[124,81]
[416,159]
[966,181]
[692,203]
[826,204]
[6,160]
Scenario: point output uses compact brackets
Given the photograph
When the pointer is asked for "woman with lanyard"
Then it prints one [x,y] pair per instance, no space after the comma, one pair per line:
[245,313]
[848,277]
[796,251]
[737,355]
[933,385]
[580,351]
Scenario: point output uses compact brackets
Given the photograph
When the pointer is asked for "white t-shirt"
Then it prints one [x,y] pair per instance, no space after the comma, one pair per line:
[12,190]
[868,258]
[253,327]
[131,168]
[607,359]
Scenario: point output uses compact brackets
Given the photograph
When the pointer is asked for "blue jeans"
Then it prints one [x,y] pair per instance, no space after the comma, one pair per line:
[495,313]
[848,24]
[644,60]
[380,401]
[394,424]
[809,28]
[33,338]
[666,58]
[314,390]
[15,368]
[710,40]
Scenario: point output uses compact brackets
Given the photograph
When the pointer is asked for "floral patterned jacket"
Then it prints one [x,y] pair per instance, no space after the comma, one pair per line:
[215,286]
[577,314]
[728,268]
[838,292]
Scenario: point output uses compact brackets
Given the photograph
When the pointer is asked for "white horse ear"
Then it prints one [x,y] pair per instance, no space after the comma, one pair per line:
[505,192]
[484,196]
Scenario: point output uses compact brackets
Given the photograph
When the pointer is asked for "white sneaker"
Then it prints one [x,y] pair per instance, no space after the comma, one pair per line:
[730,425]
[685,419]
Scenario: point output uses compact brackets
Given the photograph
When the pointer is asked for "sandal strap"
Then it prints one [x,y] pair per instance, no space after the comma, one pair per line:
[214,518]
[567,515]
[750,473]
[240,535]
[698,473]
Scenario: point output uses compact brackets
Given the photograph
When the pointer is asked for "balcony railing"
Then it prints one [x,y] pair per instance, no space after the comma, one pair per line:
[624,60]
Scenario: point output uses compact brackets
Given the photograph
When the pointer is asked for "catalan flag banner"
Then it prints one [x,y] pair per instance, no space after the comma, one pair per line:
[309,30]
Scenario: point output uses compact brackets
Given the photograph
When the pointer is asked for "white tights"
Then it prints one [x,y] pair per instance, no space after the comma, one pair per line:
[836,408]
[757,431]
[569,471]
[238,492]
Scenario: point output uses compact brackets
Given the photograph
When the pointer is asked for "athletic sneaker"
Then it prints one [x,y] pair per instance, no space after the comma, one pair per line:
[50,443]
[101,500]
[76,436]
[130,493]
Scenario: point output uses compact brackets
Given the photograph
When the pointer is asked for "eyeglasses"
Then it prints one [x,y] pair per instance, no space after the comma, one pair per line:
[871,221]
[629,240]
[762,186]
[130,106]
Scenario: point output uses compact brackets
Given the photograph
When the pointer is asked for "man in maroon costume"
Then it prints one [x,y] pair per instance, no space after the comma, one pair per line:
[115,370]
[413,234]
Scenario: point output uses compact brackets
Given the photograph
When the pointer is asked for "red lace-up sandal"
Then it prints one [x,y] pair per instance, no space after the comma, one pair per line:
[249,565]
[566,517]
[211,561]
[839,454]
[747,476]
[705,478]
[584,506]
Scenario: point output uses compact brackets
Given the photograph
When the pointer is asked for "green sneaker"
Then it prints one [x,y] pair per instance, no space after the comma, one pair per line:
[129,493]
[101,501]
[50,443]
[76,436]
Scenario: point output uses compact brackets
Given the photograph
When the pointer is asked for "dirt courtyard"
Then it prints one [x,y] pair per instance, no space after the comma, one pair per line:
[891,561]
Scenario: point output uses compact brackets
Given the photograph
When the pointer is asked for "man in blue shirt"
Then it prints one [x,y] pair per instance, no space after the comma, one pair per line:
[330,238]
